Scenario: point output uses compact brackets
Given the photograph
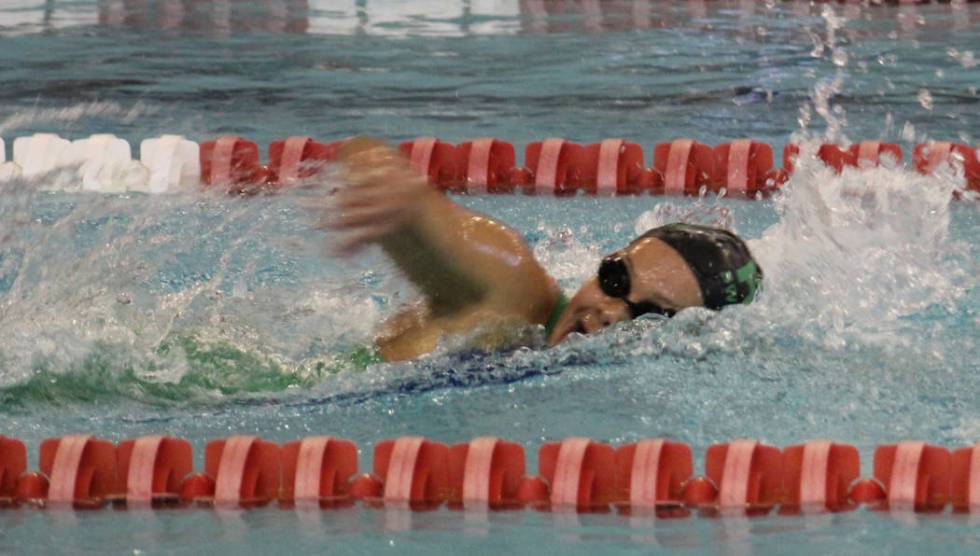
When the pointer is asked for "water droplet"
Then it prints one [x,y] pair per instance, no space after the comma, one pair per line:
[925,99]
[839,57]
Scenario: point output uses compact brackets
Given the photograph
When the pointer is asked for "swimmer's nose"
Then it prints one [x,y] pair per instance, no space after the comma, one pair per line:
[591,323]
[600,319]
[609,315]
[589,319]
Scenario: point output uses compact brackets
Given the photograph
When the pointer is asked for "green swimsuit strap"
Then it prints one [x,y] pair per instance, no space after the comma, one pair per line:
[556,312]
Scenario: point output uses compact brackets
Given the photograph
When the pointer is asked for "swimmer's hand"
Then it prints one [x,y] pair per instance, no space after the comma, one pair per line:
[382,197]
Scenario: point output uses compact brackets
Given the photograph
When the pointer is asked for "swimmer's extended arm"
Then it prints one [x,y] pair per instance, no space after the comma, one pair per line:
[460,259]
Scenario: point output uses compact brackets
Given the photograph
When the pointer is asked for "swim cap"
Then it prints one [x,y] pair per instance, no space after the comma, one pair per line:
[720,260]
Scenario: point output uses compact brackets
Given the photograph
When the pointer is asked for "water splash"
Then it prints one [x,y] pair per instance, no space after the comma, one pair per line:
[188,299]
[857,267]
[706,212]
[133,293]
[566,255]
[855,254]
[825,89]
[74,114]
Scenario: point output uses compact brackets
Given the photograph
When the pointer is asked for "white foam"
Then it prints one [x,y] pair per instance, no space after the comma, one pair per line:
[173,163]
[854,253]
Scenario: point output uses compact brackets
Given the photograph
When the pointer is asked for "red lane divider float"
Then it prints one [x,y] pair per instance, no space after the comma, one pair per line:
[866,154]
[409,471]
[965,485]
[577,473]
[435,159]
[233,163]
[930,157]
[318,470]
[744,168]
[489,165]
[685,165]
[151,468]
[485,473]
[915,474]
[76,470]
[651,475]
[817,476]
[830,155]
[298,158]
[742,477]
[238,471]
[13,463]
[747,476]
[615,167]
[553,167]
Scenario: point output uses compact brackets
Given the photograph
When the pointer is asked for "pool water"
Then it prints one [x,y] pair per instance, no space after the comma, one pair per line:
[203,316]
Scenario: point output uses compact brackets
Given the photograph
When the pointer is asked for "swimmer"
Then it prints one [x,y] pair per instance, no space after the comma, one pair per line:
[478,276]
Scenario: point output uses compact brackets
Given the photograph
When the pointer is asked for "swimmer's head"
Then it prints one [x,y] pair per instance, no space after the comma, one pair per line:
[663,271]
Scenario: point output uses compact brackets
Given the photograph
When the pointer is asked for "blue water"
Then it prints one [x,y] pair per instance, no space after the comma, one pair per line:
[202,316]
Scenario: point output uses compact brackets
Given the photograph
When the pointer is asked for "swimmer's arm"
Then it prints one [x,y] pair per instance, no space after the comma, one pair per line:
[462,259]
[458,258]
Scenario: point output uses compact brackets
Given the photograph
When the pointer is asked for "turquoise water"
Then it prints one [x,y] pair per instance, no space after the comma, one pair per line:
[202,316]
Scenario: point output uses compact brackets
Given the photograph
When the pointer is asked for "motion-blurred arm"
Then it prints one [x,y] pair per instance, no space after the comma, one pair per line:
[464,262]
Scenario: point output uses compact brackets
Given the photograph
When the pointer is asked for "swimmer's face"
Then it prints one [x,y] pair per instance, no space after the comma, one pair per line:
[659,279]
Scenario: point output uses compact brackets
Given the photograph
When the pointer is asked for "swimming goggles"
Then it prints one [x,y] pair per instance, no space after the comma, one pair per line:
[614,280]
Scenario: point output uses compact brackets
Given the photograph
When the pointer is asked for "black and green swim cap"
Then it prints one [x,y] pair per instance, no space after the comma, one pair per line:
[720,260]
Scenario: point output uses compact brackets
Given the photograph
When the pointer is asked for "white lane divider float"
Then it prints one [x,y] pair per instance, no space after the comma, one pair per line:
[8,170]
[40,154]
[173,162]
[105,164]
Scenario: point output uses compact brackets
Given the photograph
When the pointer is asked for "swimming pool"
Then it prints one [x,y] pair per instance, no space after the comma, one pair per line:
[204,316]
